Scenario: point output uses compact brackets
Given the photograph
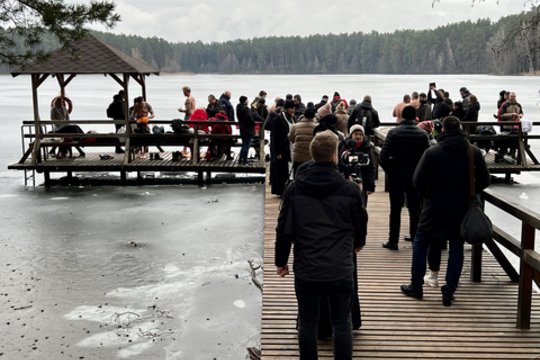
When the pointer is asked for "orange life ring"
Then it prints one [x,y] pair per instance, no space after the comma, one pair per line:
[67,103]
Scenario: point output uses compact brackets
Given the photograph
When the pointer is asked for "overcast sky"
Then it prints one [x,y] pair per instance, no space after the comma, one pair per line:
[222,20]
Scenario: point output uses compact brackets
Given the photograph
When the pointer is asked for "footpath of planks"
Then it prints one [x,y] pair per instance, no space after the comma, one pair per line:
[481,324]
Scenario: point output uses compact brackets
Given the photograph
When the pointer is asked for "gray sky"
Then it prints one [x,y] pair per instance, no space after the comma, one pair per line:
[222,20]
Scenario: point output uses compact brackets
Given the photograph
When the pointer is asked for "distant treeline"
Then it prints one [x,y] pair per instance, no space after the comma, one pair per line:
[506,47]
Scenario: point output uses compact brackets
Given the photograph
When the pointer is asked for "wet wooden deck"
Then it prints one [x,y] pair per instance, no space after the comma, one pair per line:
[481,324]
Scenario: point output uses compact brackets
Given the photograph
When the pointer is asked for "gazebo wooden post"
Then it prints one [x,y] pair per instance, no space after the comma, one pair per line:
[127,155]
[37,121]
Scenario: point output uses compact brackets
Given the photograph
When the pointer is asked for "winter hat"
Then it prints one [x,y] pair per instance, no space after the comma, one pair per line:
[409,113]
[356,127]
[340,107]
[329,121]
[199,114]
[289,104]
[324,110]
[310,113]
[242,99]
[221,116]
[427,126]
[336,94]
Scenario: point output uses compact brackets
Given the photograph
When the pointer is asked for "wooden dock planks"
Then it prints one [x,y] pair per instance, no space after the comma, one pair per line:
[481,324]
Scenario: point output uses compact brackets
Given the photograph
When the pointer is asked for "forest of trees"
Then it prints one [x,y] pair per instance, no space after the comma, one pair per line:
[508,46]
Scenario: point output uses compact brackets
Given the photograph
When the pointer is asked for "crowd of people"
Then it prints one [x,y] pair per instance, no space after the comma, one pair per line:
[426,161]
[322,168]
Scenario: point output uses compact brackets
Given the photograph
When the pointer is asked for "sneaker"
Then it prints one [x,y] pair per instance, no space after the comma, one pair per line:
[432,278]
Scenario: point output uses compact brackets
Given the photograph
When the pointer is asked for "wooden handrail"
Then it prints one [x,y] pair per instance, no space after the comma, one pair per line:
[524,249]
[192,138]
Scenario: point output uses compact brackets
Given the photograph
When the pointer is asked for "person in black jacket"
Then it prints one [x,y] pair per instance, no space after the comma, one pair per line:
[401,151]
[247,128]
[362,168]
[364,114]
[322,215]
[442,178]
[280,147]
[116,111]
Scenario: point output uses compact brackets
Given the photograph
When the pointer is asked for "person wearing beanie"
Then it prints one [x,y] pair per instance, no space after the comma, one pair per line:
[352,106]
[300,136]
[358,144]
[324,110]
[400,153]
[219,148]
[247,128]
[342,118]
[336,99]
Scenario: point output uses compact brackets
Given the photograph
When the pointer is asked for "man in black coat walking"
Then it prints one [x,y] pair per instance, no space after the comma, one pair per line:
[322,214]
[442,178]
[401,151]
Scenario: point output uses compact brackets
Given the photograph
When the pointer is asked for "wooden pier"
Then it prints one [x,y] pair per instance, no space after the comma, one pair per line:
[481,324]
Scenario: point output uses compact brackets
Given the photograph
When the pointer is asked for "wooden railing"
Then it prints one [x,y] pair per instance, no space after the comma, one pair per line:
[129,139]
[529,269]
[529,259]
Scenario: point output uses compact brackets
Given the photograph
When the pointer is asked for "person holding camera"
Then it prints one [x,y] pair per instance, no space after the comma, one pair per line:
[356,160]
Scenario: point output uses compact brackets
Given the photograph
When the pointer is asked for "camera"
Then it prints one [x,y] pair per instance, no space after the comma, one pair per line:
[352,161]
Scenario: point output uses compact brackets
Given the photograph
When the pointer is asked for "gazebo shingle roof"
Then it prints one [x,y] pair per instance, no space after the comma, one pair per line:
[93,57]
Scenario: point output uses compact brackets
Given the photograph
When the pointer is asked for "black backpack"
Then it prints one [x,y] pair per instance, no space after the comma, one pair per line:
[365,119]
[110,111]
[179,127]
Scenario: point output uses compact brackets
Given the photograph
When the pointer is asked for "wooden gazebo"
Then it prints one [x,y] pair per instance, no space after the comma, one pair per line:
[89,56]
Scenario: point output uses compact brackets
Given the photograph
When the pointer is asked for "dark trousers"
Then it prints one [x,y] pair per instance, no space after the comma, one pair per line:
[246,144]
[279,175]
[339,294]
[434,255]
[398,194]
[421,244]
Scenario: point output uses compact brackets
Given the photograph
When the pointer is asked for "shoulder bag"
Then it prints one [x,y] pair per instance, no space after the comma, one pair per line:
[476,227]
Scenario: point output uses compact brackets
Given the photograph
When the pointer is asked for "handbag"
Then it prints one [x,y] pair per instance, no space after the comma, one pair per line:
[476,227]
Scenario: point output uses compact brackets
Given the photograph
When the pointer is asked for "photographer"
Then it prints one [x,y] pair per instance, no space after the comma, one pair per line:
[356,160]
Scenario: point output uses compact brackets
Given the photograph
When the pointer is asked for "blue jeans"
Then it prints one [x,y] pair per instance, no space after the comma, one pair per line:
[340,295]
[246,144]
[421,244]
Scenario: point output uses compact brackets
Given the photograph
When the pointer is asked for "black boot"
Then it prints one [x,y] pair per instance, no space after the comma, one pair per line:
[390,246]
[412,291]
[447,296]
